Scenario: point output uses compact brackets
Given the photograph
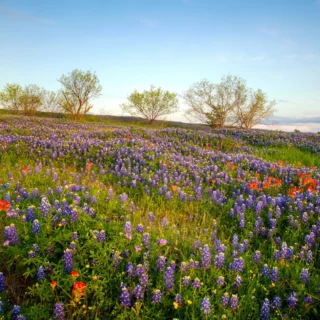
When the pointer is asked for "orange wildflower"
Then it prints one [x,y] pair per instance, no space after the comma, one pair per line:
[254,185]
[4,205]
[78,289]
[74,274]
[174,187]
[53,284]
[89,166]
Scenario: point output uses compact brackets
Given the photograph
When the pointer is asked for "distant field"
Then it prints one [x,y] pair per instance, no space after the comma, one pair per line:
[118,219]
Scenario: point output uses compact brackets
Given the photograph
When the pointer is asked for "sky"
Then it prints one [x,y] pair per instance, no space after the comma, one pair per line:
[132,44]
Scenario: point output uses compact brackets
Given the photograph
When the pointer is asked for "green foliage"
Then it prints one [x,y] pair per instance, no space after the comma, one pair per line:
[78,89]
[151,104]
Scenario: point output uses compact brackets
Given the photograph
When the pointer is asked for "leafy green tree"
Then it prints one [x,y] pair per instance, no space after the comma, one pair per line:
[27,100]
[10,97]
[151,104]
[78,89]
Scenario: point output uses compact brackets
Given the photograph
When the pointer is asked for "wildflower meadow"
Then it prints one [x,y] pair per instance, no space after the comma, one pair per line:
[109,222]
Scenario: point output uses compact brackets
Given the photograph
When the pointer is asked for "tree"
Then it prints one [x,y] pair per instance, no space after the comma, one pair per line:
[229,101]
[253,109]
[53,101]
[27,100]
[78,89]
[213,103]
[151,104]
[10,97]
[32,99]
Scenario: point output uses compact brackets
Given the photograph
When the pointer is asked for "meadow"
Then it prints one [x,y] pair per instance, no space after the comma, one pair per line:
[100,221]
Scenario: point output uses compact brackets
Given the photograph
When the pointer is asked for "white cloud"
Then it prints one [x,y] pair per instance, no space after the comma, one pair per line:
[309,127]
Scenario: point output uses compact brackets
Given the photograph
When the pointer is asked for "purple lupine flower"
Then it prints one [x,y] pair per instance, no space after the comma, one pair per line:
[308,300]
[138,292]
[214,236]
[145,239]
[151,216]
[2,283]
[139,228]
[157,295]
[144,280]
[130,269]
[139,270]
[290,253]
[45,207]
[169,279]
[197,245]
[75,236]
[41,274]
[256,257]
[161,262]
[72,245]
[196,283]
[36,227]
[237,265]
[58,312]
[16,311]
[225,299]
[186,281]
[31,254]
[74,215]
[110,194]
[164,222]
[274,275]
[206,257]
[11,235]
[265,310]
[234,302]
[292,300]
[235,241]
[309,257]
[173,265]
[116,259]
[67,260]
[220,281]
[30,215]
[206,306]
[35,248]
[276,303]
[219,260]
[265,271]
[101,236]
[305,276]
[125,300]
[237,282]
[123,198]
[127,227]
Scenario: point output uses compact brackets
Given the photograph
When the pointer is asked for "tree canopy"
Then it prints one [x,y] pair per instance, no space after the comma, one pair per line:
[229,101]
[151,104]
[78,89]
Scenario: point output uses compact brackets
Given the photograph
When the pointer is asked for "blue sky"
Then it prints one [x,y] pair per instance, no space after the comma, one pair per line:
[131,44]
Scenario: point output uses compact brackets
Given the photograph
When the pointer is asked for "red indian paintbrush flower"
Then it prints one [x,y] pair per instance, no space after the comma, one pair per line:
[4,205]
